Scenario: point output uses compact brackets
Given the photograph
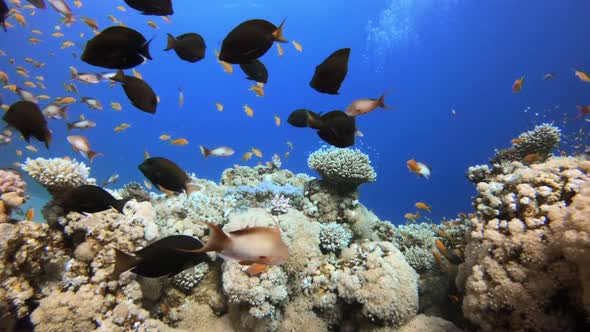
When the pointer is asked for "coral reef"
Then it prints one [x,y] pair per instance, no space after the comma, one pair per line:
[190,278]
[541,140]
[58,174]
[279,205]
[342,167]
[527,246]
[11,181]
[134,190]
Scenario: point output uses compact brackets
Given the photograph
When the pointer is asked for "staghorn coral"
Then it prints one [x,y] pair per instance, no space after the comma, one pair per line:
[541,140]
[517,274]
[58,174]
[346,168]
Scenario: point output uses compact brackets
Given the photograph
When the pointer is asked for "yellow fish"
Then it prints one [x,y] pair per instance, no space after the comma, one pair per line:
[277,120]
[78,3]
[152,24]
[65,100]
[30,84]
[164,137]
[30,214]
[423,206]
[249,111]
[179,141]
[11,87]
[113,19]
[582,76]
[247,156]
[119,129]
[218,105]
[19,153]
[136,74]
[257,152]
[116,106]
[20,18]
[66,44]
[3,77]
[57,34]
[36,32]
[43,97]
[297,46]
[34,40]
[90,23]
[22,73]
[31,148]
[147,184]
[40,78]
[121,8]
[257,90]
[280,50]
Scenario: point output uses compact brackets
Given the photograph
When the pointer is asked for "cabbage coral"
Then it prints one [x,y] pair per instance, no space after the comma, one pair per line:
[58,174]
[347,167]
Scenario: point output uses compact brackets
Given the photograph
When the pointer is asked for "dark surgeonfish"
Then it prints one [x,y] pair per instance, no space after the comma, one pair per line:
[330,74]
[164,173]
[90,199]
[3,13]
[255,71]
[336,128]
[117,47]
[38,3]
[138,92]
[161,258]
[250,40]
[301,118]
[152,7]
[189,46]
[27,118]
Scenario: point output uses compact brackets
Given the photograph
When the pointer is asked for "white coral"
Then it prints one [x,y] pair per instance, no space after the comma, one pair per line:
[58,174]
[342,166]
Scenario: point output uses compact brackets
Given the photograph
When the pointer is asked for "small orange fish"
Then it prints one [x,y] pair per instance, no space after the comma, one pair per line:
[423,206]
[583,111]
[249,111]
[19,153]
[582,75]
[516,141]
[277,120]
[80,144]
[437,260]
[219,107]
[280,49]
[30,214]
[226,66]
[147,184]
[418,168]
[297,46]
[90,23]
[152,24]
[412,216]
[257,152]
[31,148]
[164,137]
[247,156]
[179,141]
[532,158]
[66,100]
[34,40]
[517,86]
[136,73]
[441,247]
[257,90]
[116,106]
[67,44]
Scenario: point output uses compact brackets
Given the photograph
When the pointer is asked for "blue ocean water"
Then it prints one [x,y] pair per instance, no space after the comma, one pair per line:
[430,56]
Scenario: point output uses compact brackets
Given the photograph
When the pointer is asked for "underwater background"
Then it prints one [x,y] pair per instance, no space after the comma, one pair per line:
[430,57]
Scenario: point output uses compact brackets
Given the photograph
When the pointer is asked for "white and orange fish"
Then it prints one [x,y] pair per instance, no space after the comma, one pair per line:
[418,168]
[80,144]
[366,105]
[257,247]
[222,151]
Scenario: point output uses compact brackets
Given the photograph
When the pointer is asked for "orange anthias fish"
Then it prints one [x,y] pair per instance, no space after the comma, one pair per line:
[222,151]
[30,215]
[584,110]
[364,106]
[582,75]
[418,168]
[532,158]
[80,144]
[517,86]
[423,206]
[516,141]
[257,247]
[179,141]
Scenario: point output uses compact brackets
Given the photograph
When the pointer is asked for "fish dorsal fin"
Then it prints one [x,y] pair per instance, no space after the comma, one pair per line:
[250,230]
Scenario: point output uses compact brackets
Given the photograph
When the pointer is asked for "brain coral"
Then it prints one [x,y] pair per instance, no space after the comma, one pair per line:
[342,166]
[58,174]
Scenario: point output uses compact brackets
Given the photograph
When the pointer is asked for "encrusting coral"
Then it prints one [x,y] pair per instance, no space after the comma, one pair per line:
[525,261]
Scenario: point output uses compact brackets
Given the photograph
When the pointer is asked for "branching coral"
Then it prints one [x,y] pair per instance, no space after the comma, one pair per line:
[342,167]
[279,205]
[518,273]
[541,140]
[58,174]
[134,190]
[334,237]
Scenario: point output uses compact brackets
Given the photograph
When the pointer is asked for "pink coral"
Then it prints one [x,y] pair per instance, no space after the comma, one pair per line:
[11,181]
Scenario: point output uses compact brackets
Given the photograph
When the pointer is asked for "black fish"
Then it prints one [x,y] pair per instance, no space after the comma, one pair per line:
[116,47]
[250,40]
[138,92]
[189,47]
[152,7]
[38,3]
[165,173]
[336,128]
[330,74]
[301,118]
[255,70]
[161,258]
[91,199]
[28,119]
[3,13]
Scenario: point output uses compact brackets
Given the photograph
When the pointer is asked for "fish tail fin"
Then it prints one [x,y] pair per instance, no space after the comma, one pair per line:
[70,126]
[581,111]
[278,33]
[124,262]
[218,240]
[119,76]
[381,102]
[204,151]
[120,204]
[190,188]
[171,42]
[145,49]
[47,136]
[93,154]
[63,112]
[313,120]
